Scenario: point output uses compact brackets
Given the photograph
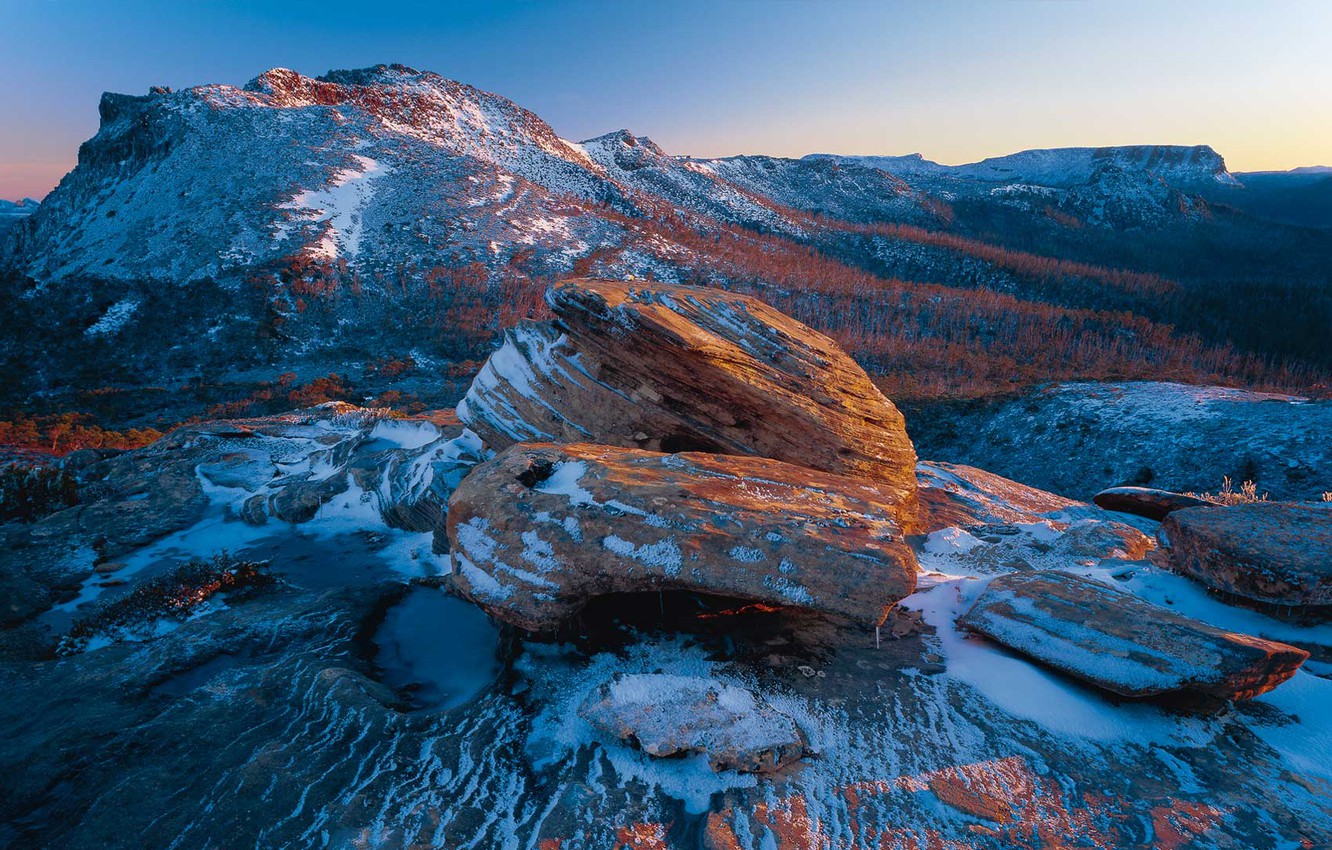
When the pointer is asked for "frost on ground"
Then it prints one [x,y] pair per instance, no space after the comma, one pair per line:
[347,710]
[1077,439]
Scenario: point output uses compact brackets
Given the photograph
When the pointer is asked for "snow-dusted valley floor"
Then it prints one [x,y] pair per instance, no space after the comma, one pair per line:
[359,705]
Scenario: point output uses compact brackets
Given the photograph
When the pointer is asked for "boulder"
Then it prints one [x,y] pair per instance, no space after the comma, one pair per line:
[540,529]
[1146,501]
[668,716]
[973,522]
[1120,643]
[1274,552]
[675,368]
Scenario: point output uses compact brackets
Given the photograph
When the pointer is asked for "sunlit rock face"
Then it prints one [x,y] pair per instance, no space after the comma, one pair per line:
[542,528]
[1276,553]
[674,368]
[1116,641]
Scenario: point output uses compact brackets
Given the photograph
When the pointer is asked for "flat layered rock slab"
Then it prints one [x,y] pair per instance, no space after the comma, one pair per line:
[1279,553]
[1146,501]
[676,368]
[1117,642]
[540,529]
[669,716]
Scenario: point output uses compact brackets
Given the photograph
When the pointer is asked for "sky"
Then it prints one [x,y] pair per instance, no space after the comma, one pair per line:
[956,80]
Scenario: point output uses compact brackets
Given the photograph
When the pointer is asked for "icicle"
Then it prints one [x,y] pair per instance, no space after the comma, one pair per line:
[876,637]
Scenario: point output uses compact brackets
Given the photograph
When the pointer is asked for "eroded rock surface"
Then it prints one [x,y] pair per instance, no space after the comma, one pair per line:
[666,716]
[541,528]
[1273,552]
[287,468]
[675,368]
[1146,501]
[274,721]
[1122,644]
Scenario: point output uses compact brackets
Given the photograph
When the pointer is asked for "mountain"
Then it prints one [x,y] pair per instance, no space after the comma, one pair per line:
[1065,167]
[910,165]
[25,206]
[223,236]
[12,212]
[1177,165]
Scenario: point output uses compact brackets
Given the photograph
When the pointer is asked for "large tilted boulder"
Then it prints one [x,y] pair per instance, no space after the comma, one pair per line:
[541,528]
[676,368]
[1274,552]
[1120,643]
[669,716]
[1146,501]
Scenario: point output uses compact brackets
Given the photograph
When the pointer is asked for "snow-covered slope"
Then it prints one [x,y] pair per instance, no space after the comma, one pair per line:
[910,165]
[380,167]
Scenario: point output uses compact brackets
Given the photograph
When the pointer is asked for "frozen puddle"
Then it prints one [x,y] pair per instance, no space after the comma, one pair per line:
[438,648]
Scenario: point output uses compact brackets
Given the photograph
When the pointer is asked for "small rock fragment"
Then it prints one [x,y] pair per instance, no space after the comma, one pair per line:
[667,715]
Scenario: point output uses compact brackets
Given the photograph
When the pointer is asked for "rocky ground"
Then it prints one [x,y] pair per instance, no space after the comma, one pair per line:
[1079,438]
[358,702]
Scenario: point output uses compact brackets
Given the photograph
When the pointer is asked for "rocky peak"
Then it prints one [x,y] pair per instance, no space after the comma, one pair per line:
[115,107]
[380,74]
[623,150]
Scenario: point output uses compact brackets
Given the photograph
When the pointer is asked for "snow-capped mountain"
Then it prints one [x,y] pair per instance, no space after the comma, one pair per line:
[373,212]
[26,206]
[385,165]
[1178,165]
[12,212]
[389,168]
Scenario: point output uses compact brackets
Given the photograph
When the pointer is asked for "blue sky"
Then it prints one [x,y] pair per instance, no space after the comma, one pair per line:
[955,80]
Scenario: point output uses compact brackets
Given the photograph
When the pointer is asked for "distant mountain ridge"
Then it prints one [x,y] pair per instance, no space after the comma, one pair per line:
[1181,166]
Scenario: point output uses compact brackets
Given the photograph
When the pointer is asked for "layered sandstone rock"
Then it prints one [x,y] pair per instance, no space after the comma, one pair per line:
[669,716]
[675,368]
[1274,552]
[1146,501]
[540,529]
[1120,643]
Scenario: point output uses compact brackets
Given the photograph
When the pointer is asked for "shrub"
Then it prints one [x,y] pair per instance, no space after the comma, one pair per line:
[173,596]
[1246,495]
[28,493]
[62,433]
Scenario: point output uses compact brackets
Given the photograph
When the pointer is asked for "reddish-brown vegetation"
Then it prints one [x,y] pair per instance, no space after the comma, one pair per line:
[62,433]
[929,340]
